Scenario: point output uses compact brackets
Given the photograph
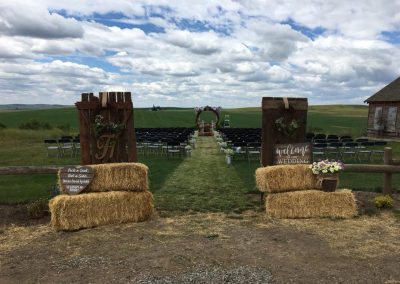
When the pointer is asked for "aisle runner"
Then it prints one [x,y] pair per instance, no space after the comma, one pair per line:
[204,182]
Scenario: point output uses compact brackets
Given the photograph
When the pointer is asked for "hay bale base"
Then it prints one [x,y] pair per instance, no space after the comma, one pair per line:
[72,212]
[311,204]
[282,178]
[116,177]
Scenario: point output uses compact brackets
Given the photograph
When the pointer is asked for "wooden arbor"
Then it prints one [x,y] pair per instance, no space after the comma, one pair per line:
[107,133]
[284,121]
[205,130]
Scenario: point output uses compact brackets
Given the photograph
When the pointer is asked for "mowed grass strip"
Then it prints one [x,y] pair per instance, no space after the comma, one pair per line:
[203,183]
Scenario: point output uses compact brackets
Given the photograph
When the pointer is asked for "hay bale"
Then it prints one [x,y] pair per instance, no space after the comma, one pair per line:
[116,177]
[72,212]
[282,178]
[311,203]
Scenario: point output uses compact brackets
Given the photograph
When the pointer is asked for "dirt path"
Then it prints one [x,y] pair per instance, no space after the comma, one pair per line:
[205,182]
[360,250]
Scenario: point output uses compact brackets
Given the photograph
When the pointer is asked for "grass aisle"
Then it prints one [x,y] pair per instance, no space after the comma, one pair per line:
[204,182]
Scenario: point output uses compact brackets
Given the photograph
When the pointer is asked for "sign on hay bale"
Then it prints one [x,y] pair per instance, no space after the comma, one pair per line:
[75,179]
[295,153]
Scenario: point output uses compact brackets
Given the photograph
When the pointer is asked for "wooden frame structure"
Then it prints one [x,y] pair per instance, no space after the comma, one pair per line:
[289,110]
[116,109]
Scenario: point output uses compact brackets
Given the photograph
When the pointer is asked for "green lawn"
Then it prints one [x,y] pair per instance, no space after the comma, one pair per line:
[25,147]
[204,183]
[341,119]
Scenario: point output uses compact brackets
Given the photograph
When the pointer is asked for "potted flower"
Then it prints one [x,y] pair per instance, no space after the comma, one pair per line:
[192,143]
[327,171]
[219,139]
[223,145]
[188,150]
[228,155]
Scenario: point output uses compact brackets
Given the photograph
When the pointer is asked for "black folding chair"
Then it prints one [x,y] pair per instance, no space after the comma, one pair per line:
[52,146]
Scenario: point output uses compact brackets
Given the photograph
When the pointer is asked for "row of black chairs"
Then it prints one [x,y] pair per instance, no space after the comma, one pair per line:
[310,136]
[163,141]
[346,151]
[241,135]
[63,146]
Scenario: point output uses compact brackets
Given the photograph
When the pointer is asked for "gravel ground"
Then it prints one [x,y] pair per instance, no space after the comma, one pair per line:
[212,274]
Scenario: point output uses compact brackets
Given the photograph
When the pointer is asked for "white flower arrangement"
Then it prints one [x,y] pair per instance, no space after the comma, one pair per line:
[219,139]
[223,144]
[326,167]
[229,152]
[188,147]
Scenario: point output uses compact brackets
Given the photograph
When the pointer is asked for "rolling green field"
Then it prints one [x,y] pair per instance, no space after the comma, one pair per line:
[339,119]
[25,147]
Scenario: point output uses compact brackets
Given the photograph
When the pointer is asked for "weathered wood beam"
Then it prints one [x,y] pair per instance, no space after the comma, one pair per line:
[26,170]
[356,168]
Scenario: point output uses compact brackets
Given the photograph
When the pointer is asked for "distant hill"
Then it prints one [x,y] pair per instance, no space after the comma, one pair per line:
[29,106]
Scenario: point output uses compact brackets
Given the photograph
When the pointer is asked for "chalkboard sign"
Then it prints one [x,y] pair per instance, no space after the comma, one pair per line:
[76,179]
[296,153]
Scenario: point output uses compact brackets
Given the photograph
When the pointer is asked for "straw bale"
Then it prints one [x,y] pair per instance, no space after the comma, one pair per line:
[117,177]
[282,178]
[72,212]
[311,203]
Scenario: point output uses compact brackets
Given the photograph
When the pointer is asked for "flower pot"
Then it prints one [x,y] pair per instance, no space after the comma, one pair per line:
[228,159]
[188,153]
[328,182]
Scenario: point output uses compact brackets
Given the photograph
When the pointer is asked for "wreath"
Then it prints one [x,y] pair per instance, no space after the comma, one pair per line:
[286,124]
[100,127]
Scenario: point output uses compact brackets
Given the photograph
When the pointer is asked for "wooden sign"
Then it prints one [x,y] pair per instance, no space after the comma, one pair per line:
[284,121]
[76,179]
[106,128]
[296,153]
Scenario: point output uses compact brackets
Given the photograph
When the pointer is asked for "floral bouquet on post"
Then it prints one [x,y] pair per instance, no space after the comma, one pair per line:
[327,171]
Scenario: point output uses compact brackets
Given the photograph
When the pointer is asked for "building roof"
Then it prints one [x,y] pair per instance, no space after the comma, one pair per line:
[389,93]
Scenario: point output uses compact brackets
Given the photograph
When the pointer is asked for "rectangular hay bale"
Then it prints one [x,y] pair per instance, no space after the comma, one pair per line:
[72,212]
[282,178]
[116,177]
[311,204]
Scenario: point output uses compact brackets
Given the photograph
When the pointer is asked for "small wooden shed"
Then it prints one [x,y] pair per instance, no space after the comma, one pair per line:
[383,117]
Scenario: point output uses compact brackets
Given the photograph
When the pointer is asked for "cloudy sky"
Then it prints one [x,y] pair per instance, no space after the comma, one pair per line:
[194,53]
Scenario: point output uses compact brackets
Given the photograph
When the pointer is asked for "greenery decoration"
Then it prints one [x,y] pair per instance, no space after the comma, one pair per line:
[286,128]
[100,126]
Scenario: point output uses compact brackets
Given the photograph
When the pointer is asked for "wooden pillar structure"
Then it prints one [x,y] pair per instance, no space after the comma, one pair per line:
[106,127]
[279,119]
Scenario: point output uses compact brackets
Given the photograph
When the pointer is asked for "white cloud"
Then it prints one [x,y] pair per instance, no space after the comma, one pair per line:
[22,18]
[228,53]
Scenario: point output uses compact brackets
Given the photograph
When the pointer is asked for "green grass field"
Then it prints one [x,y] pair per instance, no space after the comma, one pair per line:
[25,147]
[340,119]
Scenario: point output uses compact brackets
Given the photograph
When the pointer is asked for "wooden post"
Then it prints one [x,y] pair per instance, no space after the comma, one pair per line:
[130,130]
[289,109]
[387,178]
[84,134]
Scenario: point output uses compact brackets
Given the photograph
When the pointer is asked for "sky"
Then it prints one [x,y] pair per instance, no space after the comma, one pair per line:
[195,53]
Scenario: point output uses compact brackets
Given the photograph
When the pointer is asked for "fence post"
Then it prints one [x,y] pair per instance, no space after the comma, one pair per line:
[387,178]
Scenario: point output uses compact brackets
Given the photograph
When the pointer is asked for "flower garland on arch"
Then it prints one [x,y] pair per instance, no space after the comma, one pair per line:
[201,109]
